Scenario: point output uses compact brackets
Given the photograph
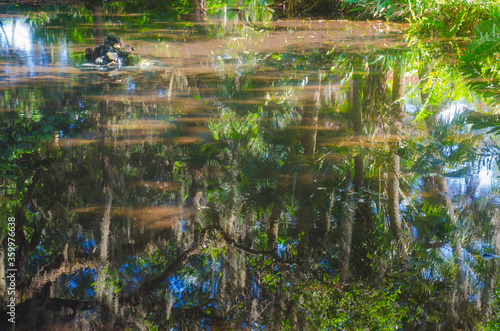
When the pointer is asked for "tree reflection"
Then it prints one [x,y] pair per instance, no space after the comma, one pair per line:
[268,190]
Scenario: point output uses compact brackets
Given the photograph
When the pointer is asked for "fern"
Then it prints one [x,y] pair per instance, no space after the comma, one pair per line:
[480,63]
[481,121]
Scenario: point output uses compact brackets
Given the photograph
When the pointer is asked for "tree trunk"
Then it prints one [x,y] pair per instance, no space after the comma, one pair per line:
[309,126]
[304,213]
[102,296]
[346,229]
[492,275]
[357,120]
[398,90]
[273,230]
[98,24]
[199,9]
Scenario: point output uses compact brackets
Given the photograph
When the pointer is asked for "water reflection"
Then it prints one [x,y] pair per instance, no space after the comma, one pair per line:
[246,179]
[20,39]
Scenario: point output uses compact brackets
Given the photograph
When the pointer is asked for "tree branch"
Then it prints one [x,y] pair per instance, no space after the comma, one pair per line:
[150,285]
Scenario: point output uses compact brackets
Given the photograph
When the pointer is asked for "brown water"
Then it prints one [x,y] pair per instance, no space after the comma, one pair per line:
[245,178]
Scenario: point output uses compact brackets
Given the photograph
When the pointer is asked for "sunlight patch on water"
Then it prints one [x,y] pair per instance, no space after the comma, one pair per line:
[483,178]
[487,178]
[450,113]
[17,35]
[485,169]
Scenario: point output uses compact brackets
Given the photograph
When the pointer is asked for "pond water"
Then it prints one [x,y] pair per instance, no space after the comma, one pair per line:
[307,174]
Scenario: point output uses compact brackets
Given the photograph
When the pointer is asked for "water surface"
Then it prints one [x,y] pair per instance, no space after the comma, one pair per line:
[315,175]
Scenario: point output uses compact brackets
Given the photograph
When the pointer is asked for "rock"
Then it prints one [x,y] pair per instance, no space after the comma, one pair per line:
[89,53]
[112,39]
[113,54]
[100,60]
[133,60]
[99,51]
[123,48]
[120,62]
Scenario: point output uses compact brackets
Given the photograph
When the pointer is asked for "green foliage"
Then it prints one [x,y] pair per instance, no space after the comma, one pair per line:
[357,308]
[308,7]
[257,14]
[493,323]
[153,8]
[450,18]
[444,83]
[480,62]
[387,9]
[480,121]
[251,158]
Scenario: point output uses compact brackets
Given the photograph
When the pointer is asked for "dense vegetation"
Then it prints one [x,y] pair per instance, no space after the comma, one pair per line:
[476,20]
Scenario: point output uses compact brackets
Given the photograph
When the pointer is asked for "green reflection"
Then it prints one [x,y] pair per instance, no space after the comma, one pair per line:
[246,182]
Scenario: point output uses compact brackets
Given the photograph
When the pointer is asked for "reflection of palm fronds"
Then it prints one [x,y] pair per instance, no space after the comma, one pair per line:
[433,266]
[456,147]
[481,60]
[488,39]
[451,17]
[480,121]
